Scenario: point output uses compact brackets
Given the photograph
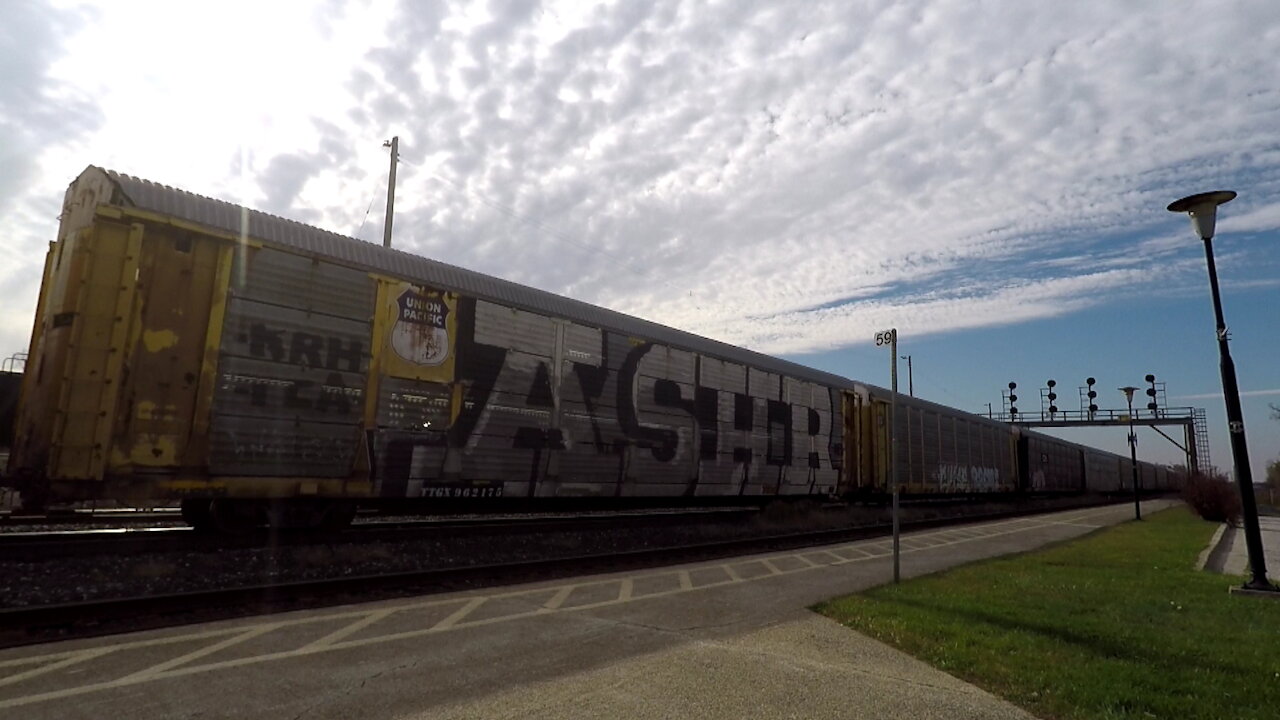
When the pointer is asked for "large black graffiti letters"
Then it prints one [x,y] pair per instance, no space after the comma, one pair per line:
[661,442]
[702,408]
[265,343]
[304,349]
[477,363]
[398,463]
[743,412]
[778,420]
[815,427]
[835,443]
[728,427]
[592,381]
[307,350]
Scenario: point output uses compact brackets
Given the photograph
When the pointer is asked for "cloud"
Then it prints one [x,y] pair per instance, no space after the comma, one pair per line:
[1218,395]
[781,175]
[1266,217]
[40,117]
[743,168]
[36,110]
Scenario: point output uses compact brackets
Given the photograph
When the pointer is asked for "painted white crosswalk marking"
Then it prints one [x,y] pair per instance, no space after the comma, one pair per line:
[461,609]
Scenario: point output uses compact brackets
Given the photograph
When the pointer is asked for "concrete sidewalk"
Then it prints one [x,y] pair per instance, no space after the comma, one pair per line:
[804,667]
[1236,555]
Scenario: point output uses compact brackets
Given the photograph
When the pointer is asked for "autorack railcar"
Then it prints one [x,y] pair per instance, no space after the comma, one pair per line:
[252,366]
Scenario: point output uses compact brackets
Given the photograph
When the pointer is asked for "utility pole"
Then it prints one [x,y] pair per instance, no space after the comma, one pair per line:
[911,382]
[394,144]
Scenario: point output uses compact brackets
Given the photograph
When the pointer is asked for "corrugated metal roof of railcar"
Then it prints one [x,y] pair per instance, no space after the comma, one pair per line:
[227,217]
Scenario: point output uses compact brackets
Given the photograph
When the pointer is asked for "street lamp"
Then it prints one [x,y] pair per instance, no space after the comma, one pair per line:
[1128,391]
[911,382]
[1203,209]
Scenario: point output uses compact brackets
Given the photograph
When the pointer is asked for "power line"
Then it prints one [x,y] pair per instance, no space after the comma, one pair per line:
[372,198]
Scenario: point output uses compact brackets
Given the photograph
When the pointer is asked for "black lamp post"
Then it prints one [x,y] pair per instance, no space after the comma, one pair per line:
[1128,391]
[1203,209]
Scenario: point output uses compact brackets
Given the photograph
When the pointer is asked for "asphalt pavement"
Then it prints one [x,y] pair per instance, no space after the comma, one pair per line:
[724,639]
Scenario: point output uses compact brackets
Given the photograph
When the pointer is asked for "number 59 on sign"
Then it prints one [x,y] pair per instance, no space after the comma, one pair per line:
[886,337]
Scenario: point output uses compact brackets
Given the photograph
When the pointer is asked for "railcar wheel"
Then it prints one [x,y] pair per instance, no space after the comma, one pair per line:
[338,515]
[198,513]
[294,514]
[236,517]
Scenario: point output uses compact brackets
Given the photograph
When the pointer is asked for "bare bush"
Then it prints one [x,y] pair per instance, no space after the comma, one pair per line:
[1213,497]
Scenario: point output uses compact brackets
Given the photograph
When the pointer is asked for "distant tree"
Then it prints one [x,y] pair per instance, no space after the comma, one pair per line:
[1273,474]
[1275,411]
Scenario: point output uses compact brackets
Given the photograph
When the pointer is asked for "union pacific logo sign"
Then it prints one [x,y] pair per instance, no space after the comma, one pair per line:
[421,331]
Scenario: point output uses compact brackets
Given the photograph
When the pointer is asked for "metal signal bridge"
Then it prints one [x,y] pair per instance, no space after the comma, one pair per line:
[1192,419]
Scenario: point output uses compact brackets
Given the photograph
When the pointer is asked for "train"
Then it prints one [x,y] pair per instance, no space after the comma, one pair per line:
[256,369]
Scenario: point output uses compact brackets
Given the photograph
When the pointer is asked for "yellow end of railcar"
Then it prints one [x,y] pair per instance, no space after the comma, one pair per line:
[118,377]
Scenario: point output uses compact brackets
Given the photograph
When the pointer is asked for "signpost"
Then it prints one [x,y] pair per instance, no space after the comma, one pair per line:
[890,337]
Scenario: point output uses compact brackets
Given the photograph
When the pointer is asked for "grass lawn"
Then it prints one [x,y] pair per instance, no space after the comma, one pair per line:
[1116,625]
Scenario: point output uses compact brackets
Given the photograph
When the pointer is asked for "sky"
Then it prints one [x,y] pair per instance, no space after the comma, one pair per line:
[990,178]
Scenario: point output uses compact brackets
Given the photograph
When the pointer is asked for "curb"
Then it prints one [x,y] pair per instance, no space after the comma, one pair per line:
[1213,556]
[1250,592]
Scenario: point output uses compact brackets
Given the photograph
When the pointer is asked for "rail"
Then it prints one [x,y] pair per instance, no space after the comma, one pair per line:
[55,544]
[34,624]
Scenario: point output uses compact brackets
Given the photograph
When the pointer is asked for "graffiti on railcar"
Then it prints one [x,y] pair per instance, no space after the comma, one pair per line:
[966,478]
[268,445]
[311,354]
[615,402]
[305,349]
[330,396]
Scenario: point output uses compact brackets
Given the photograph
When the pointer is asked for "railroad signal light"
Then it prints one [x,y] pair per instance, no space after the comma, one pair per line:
[1092,394]
[1152,405]
[1053,396]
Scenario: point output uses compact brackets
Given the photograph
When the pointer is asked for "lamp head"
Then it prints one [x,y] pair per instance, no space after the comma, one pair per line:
[1128,391]
[1203,209]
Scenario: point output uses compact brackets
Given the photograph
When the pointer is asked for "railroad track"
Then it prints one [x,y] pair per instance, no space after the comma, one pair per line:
[35,624]
[9,522]
[50,545]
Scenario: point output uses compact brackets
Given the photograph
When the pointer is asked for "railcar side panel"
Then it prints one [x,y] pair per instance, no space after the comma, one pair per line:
[1053,465]
[292,368]
[944,451]
[1102,471]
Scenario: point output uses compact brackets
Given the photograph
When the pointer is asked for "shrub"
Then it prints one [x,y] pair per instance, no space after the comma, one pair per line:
[1213,497]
